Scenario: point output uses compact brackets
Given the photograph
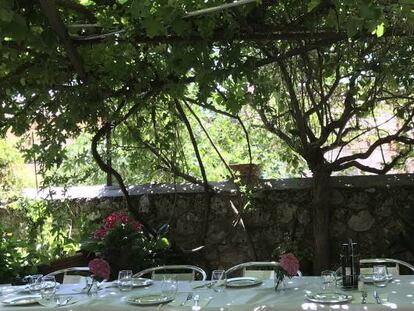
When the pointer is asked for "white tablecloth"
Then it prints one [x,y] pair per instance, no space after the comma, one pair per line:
[399,293]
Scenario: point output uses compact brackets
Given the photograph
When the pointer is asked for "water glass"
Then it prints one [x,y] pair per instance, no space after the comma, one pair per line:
[33,282]
[380,276]
[48,288]
[328,279]
[169,287]
[218,279]
[125,280]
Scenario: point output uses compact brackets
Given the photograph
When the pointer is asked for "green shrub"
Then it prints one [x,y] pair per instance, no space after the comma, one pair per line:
[34,233]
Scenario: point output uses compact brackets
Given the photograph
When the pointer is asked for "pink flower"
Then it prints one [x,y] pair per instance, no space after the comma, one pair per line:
[136,225]
[100,233]
[99,268]
[289,263]
[114,220]
[110,221]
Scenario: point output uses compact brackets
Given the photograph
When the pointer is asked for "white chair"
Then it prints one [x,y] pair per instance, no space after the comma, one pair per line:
[73,275]
[393,265]
[190,275]
[247,269]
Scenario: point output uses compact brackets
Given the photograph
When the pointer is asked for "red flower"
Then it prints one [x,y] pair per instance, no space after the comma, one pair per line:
[100,268]
[110,221]
[137,226]
[100,233]
[289,263]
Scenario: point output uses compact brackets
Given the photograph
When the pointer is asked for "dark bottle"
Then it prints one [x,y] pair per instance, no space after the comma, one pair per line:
[350,264]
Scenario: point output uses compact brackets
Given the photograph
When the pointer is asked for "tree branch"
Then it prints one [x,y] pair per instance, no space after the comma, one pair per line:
[209,139]
[52,14]
[187,124]
[100,134]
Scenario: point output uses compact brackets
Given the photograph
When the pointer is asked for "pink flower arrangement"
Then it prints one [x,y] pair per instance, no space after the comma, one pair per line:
[289,263]
[100,268]
[288,266]
[116,219]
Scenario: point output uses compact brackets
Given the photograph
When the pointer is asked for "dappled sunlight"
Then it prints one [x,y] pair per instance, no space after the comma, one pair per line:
[391,305]
[313,306]
[260,308]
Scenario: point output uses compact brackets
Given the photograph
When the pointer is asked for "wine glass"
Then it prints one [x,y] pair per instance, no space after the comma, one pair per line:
[380,279]
[218,278]
[169,287]
[34,282]
[328,279]
[125,280]
[380,276]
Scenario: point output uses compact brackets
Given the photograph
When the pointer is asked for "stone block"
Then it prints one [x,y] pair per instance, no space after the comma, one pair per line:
[361,222]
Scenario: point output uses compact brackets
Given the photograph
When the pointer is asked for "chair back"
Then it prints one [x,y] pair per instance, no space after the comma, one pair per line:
[71,275]
[259,269]
[393,265]
[174,270]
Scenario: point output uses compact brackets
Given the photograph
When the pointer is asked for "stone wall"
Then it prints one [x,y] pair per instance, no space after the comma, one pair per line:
[378,212]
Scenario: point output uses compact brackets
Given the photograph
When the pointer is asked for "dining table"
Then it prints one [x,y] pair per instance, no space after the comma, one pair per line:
[397,295]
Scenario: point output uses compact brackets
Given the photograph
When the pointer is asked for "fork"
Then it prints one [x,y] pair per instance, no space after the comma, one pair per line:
[64,302]
[189,297]
[196,300]
[377,297]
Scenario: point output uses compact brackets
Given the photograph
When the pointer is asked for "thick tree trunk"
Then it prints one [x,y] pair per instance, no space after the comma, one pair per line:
[321,192]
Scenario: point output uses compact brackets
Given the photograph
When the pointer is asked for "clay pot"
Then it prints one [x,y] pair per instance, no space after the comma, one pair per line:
[248,173]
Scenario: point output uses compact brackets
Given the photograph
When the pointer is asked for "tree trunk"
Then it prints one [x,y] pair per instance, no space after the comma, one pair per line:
[321,194]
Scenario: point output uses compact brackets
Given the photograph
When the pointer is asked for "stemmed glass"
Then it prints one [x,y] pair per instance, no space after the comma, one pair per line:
[218,278]
[169,287]
[380,276]
[380,279]
[34,280]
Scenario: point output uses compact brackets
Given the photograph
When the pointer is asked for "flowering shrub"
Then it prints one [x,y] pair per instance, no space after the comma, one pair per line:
[121,241]
[117,219]
[288,266]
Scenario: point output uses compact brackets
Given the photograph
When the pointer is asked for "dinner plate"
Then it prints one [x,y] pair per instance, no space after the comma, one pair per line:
[27,289]
[329,297]
[367,278]
[149,300]
[21,300]
[243,282]
[138,282]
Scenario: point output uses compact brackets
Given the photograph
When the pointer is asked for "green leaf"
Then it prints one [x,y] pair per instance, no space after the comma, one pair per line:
[152,26]
[313,4]
[369,11]
[353,26]
[139,8]
[379,31]
[6,15]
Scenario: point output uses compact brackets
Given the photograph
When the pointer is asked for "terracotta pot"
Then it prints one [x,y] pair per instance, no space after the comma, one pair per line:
[248,173]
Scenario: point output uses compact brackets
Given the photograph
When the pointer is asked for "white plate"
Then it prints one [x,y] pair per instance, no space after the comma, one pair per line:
[367,278]
[148,300]
[138,282]
[329,297]
[26,288]
[21,300]
[243,282]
